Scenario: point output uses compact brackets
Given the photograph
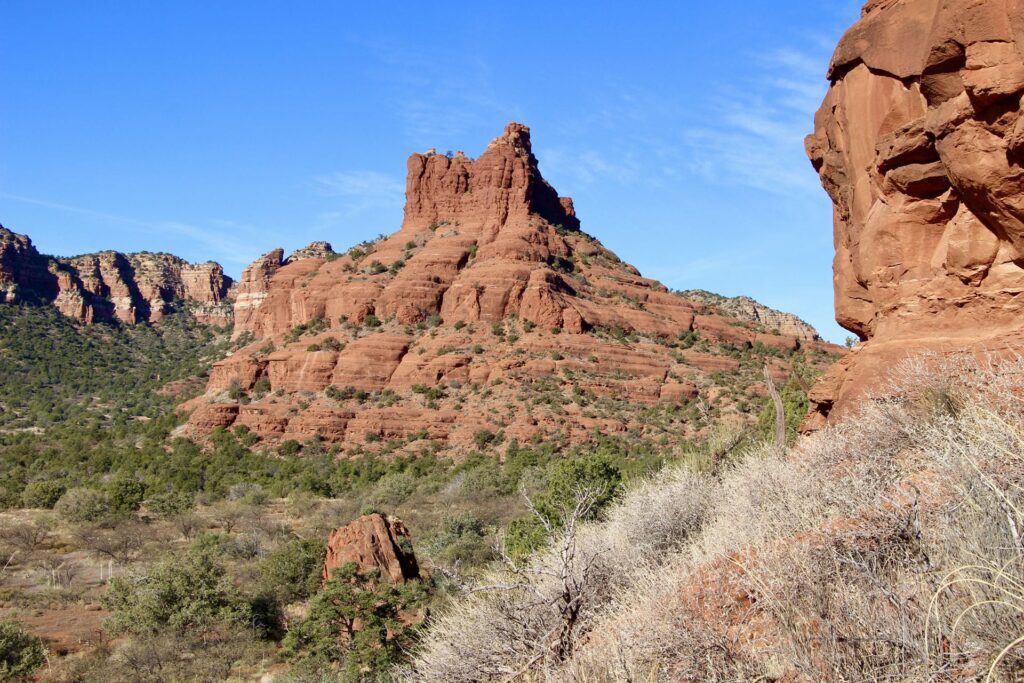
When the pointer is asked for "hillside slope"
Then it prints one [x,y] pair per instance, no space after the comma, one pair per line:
[884,548]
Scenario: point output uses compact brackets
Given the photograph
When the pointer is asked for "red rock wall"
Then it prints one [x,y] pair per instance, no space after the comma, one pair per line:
[22,270]
[919,144]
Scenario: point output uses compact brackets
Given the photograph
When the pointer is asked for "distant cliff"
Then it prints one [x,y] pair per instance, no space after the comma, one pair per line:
[108,286]
[745,308]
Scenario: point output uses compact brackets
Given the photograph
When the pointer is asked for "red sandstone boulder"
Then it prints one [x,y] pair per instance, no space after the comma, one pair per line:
[373,542]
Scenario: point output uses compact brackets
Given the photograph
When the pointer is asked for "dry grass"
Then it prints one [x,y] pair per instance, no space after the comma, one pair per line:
[887,548]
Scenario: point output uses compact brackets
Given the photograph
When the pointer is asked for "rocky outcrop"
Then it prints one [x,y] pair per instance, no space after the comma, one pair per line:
[109,285]
[251,290]
[745,308]
[489,311]
[919,144]
[373,541]
[503,186]
[320,249]
[23,271]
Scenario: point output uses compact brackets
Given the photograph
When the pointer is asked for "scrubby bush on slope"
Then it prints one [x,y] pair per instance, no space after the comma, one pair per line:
[888,547]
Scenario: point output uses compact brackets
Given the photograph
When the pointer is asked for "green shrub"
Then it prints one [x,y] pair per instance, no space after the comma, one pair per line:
[42,494]
[483,438]
[289,447]
[83,505]
[262,386]
[524,537]
[355,623]
[125,495]
[184,593]
[291,572]
[21,654]
[170,503]
[459,539]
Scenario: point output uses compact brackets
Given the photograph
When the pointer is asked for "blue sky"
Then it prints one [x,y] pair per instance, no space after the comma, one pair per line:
[219,130]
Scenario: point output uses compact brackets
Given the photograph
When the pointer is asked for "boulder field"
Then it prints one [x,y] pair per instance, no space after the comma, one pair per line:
[919,143]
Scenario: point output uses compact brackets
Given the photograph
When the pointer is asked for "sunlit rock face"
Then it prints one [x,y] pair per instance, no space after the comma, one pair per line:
[919,143]
[446,330]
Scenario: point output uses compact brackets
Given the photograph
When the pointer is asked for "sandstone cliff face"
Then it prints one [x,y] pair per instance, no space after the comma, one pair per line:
[373,542]
[23,272]
[108,286]
[488,311]
[919,145]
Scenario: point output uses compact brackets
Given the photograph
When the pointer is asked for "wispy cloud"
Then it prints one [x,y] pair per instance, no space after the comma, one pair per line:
[370,199]
[439,95]
[583,168]
[754,133]
[368,188]
[224,248]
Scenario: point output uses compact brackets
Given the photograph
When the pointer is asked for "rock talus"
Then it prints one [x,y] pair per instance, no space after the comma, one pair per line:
[919,144]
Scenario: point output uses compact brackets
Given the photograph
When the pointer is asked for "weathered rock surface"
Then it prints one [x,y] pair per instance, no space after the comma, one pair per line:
[373,542]
[919,144]
[745,308]
[108,286]
[23,272]
[488,311]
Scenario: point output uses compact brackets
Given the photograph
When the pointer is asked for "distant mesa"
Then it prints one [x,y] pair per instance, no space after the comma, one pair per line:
[745,308]
[920,143]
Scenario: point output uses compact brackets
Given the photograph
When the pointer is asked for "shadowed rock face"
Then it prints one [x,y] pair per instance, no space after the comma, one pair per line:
[23,272]
[919,144]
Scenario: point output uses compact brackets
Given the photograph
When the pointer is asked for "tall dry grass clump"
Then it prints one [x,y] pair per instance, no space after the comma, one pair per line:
[886,548]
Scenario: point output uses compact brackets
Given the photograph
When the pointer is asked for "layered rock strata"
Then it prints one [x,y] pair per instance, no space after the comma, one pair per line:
[488,312]
[108,286]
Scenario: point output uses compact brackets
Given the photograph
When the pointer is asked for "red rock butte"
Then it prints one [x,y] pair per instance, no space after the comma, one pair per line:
[919,144]
[485,304]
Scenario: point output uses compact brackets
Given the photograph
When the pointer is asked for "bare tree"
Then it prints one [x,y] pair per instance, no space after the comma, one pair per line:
[122,544]
[780,410]
[188,524]
[27,538]
[548,595]
[230,515]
